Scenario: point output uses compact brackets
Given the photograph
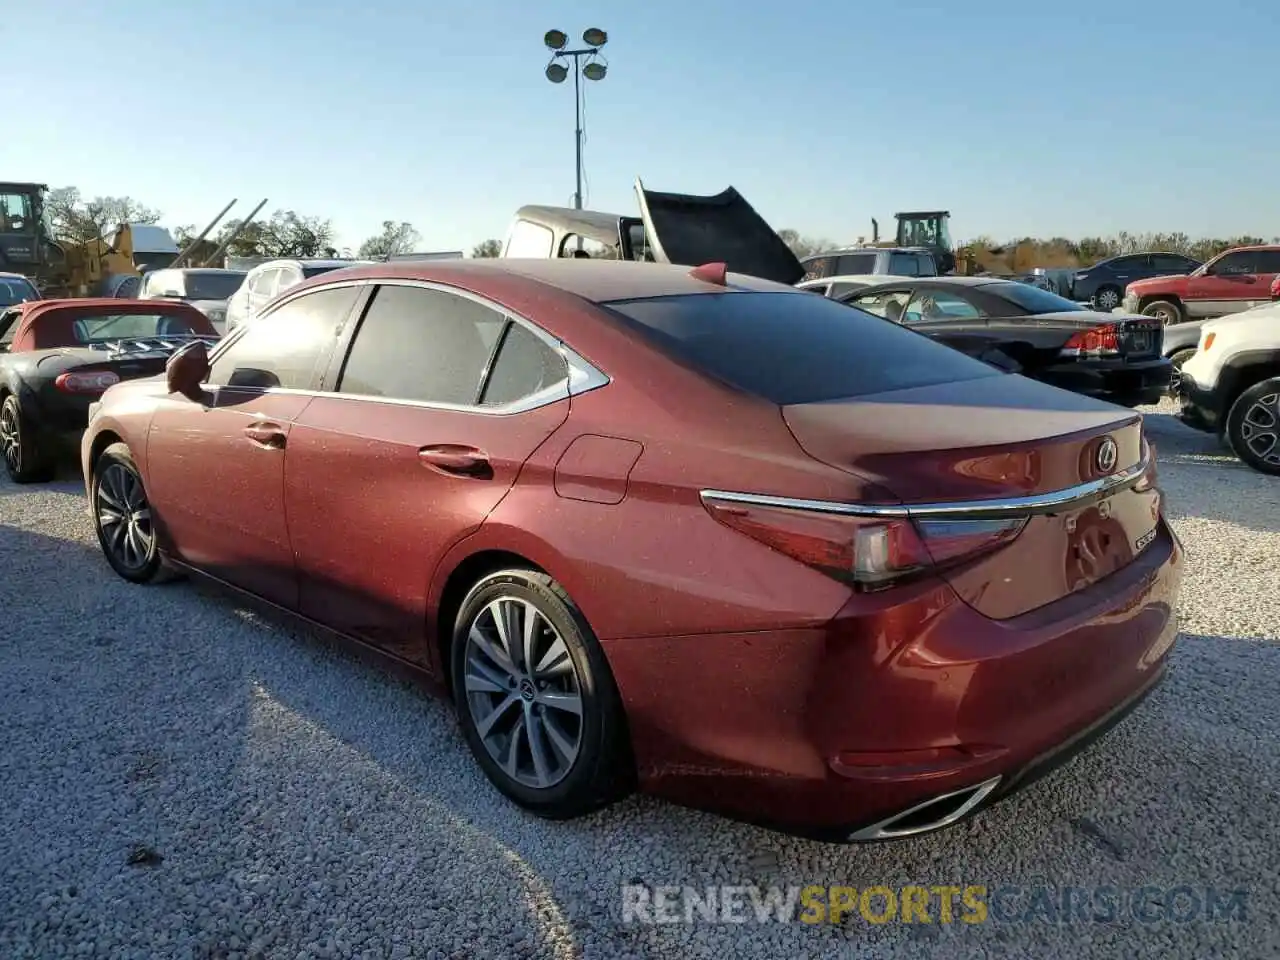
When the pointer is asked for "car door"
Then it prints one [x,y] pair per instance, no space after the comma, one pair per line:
[1227,284]
[439,401]
[215,470]
[951,317]
[1268,267]
[883,303]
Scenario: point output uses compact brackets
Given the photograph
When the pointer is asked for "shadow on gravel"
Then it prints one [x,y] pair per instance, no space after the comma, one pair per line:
[189,768]
[1202,478]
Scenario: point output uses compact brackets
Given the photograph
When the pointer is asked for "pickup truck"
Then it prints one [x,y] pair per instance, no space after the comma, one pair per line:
[1235,280]
[673,228]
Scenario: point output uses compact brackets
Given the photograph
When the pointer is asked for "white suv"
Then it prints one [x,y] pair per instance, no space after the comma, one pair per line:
[1232,385]
[266,280]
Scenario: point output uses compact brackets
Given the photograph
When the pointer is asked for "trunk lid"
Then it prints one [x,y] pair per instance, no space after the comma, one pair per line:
[692,230]
[994,439]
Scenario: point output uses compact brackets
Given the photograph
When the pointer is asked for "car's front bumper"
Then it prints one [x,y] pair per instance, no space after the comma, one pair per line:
[1198,407]
[827,732]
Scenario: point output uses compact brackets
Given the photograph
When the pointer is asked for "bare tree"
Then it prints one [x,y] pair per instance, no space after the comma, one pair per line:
[395,238]
[489,248]
[287,234]
[77,220]
[803,246]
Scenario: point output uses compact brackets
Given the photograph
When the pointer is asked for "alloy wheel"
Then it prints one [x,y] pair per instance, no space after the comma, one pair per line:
[124,517]
[1260,428]
[523,692]
[1108,300]
[11,438]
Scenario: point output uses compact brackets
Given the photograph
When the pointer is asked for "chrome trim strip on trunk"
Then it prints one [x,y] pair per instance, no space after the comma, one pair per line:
[1039,504]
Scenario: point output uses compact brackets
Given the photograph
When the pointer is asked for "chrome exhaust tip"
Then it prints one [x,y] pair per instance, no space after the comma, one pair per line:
[933,814]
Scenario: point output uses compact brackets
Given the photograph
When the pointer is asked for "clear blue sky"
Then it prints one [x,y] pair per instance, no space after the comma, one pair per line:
[1030,118]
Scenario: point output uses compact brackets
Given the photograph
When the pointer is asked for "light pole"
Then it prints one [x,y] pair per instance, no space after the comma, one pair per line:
[594,69]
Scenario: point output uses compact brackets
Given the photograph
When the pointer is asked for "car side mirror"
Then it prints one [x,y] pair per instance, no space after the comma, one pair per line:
[187,369]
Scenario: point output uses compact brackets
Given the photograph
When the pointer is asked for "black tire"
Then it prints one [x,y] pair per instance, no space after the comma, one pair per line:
[25,453]
[1105,295]
[105,499]
[1253,426]
[601,769]
[1167,310]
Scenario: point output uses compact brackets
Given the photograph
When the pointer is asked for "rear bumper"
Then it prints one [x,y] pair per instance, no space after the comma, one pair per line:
[1114,381]
[827,732]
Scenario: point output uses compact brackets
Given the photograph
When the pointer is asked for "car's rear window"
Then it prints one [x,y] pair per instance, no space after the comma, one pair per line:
[790,348]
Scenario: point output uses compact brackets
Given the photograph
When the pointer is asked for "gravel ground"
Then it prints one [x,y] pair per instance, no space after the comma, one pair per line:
[180,778]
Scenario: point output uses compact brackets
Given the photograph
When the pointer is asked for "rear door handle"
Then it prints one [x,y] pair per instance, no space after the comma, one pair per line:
[266,434]
[455,460]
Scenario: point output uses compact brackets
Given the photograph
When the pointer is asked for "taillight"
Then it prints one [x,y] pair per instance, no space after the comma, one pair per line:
[869,552]
[86,382]
[1100,341]
[1208,341]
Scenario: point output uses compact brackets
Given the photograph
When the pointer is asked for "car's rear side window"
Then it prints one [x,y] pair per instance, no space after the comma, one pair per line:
[790,348]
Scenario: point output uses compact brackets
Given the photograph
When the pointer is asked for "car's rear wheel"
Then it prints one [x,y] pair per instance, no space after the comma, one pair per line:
[1107,298]
[25,459]
[1253,426]
[1166,311]
[536,699]
[123,518]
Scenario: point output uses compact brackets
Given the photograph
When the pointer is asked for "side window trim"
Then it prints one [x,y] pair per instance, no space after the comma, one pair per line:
[583,375]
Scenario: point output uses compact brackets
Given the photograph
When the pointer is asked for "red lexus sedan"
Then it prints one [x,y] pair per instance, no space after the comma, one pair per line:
[750,549]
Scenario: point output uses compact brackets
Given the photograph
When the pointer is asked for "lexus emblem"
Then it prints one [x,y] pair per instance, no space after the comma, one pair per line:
[1108,453]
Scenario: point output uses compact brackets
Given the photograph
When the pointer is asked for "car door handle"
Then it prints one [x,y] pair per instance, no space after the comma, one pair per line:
[270,435]
[457,461]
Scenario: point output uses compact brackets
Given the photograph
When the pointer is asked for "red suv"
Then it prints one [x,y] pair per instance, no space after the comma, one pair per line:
[1233,281]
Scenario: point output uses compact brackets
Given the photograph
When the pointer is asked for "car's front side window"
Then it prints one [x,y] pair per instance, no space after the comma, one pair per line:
[939,305]
[1233,264]
[421,344]
[287,347]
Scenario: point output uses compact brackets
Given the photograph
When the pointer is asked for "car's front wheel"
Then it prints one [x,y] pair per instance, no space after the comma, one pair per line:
[123,518]
[1166,311]
[536,699]
[1253,426]
[1107,299]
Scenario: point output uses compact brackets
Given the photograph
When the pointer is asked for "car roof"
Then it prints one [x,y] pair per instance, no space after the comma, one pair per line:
[33,308]
[40,311]
[572,221]
[836,251]
[334,262]
[866,279]
[594,280]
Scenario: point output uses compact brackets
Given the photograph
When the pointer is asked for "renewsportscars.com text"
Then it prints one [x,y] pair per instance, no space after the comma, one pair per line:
[944,903]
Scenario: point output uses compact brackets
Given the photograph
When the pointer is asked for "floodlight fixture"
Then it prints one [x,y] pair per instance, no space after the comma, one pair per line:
[594,37]
[594,71]
[556,72]
[555,39]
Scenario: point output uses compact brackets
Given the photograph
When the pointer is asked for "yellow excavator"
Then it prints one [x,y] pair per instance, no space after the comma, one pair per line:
[108,266]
